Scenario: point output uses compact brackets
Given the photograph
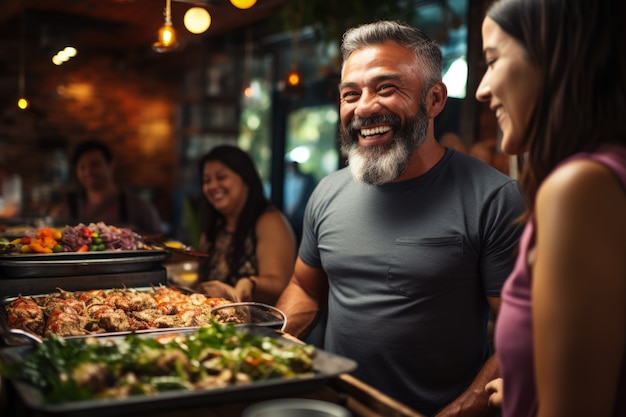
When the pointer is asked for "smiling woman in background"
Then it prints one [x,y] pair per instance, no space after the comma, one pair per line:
[556,79]
[251,245]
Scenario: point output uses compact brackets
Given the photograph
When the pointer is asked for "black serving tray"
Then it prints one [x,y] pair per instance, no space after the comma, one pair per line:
[326,366]
[79,263]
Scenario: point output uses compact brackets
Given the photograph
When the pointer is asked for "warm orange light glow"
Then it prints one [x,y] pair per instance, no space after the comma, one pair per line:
[22,103]
[248,91]
[167,35]
[243,4]
[293,78]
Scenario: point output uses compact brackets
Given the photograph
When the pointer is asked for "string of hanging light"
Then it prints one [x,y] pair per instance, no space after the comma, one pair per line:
[22,101]
[167,35]
[197,20]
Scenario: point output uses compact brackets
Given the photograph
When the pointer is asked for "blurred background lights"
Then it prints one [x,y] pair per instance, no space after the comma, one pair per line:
[455,78]
[301,154]
[70,51]
[64,55]
[22,103]
[332,116]
[197,20]
[253,122]
[248,91]
[293,78]
[243,4]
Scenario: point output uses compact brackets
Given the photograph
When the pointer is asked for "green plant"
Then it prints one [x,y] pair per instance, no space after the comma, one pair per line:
[330,19]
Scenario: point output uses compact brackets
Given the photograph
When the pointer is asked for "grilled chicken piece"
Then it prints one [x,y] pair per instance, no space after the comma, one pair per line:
[25,314]
[140,301]
[65,324]
[92,297]
[147,316]
[114,321]
[67,305]
[168,308]
[188,316]
[23,307]
[95,310]
[167,322]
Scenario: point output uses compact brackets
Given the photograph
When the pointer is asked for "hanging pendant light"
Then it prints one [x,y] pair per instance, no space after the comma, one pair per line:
[243,4]
[22,101]
[167,35]
[293,76]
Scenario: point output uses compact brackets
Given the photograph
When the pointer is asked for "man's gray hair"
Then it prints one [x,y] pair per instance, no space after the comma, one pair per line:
[426,50]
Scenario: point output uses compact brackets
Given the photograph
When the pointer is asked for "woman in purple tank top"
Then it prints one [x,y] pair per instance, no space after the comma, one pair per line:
[556,80]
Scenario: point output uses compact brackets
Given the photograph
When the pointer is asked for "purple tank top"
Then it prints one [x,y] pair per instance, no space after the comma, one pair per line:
[513,334]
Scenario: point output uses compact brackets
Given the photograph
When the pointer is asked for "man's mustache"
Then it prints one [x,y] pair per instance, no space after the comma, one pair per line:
[358,122]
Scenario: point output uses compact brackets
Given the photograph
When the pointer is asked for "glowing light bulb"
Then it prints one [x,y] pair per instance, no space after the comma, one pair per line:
[197,20]
[243,4]
[293,78]
[70,51]
[167,35]
[22,103]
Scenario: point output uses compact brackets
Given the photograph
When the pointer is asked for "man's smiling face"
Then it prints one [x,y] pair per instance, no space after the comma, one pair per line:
[382,117]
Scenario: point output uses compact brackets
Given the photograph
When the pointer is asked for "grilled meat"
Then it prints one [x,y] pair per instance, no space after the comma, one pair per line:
[69,313]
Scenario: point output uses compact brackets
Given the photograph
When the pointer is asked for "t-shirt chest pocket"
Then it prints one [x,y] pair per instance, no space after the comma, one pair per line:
[417,264]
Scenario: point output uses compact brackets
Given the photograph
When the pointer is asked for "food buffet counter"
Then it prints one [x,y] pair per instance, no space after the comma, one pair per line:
[359,398]
[41,274]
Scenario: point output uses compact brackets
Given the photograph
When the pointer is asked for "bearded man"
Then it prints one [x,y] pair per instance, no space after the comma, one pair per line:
[407,248]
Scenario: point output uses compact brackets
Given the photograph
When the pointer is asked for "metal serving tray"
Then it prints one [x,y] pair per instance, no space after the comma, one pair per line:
[258,314]
[5,301]
[80,263]
[325,364]
[46,285]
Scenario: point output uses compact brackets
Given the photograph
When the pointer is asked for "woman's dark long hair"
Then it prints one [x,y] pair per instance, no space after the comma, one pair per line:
[578,47]
[240,162]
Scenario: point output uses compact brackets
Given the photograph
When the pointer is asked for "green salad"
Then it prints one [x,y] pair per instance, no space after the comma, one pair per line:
[213,356]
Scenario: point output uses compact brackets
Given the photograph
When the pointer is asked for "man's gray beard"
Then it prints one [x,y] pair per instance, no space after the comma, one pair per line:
[382,164]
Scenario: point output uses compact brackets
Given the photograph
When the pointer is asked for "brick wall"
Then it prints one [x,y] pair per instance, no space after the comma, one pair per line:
[132,110]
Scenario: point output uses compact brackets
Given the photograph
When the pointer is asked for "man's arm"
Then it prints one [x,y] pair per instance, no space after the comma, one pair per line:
[474,401]
[306,292]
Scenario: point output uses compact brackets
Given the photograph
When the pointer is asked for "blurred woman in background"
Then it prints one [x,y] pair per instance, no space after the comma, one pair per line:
[250,243]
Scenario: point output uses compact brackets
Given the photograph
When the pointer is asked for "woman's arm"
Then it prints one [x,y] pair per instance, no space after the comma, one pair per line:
[276,254]
[579,291]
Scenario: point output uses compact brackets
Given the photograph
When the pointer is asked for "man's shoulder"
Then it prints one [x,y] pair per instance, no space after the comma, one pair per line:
[332,186]
[337,179]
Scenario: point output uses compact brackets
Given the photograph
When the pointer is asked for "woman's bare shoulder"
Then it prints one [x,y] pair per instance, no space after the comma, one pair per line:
[272,217]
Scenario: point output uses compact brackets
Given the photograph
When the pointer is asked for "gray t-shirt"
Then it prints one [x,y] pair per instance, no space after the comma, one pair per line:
[409,266]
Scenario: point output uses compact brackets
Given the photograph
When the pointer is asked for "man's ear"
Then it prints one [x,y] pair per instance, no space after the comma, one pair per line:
[436,99]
